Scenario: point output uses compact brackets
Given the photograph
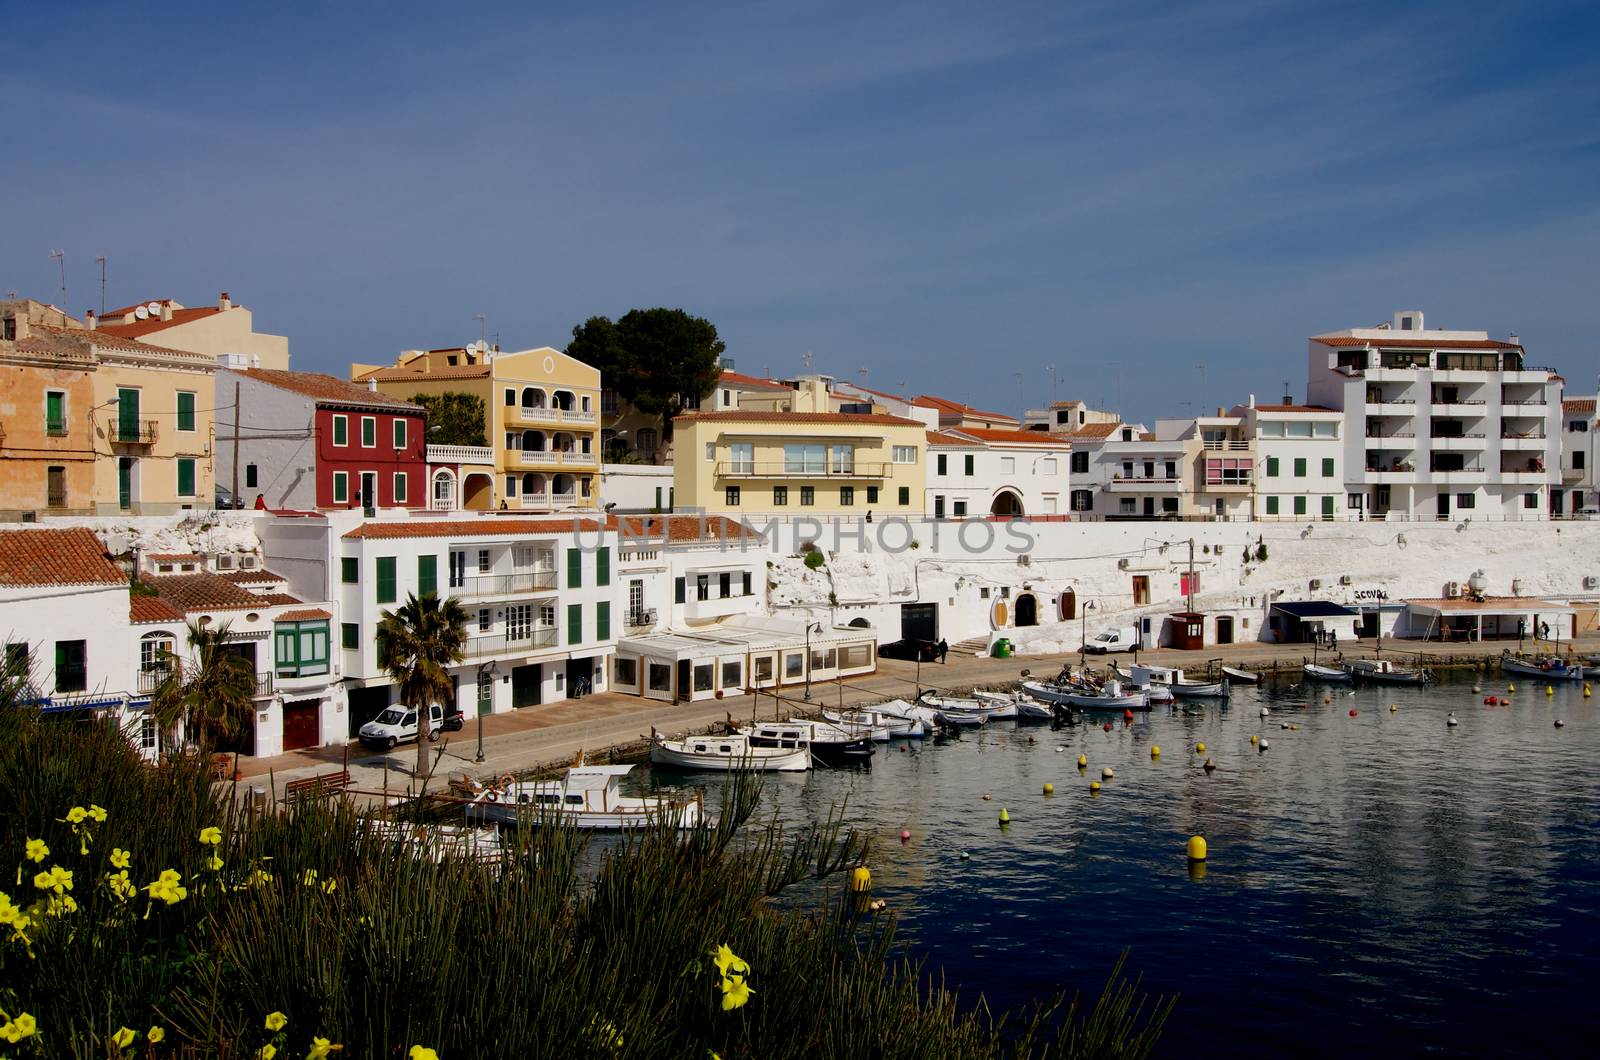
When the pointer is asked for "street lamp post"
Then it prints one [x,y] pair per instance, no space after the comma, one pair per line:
[1083,641]
[817,626]
[484,671]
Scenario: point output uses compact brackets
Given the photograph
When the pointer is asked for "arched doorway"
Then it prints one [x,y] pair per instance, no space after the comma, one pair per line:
[1069,605]
[1007,503]
[477,493]
[1027,610]
[444,490]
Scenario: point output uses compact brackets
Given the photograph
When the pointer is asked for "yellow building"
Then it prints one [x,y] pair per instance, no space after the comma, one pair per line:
[224,332]
[753,462]
[133,434]
[541,411]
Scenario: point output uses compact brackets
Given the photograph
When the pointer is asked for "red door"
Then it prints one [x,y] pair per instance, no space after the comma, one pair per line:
[301,724]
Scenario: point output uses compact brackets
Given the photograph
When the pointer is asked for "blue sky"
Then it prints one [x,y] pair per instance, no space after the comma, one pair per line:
[949,195]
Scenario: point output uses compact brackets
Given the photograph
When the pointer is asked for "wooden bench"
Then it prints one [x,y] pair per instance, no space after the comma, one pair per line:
[318,787]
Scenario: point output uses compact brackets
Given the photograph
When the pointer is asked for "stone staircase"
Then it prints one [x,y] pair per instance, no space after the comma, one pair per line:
[973,646]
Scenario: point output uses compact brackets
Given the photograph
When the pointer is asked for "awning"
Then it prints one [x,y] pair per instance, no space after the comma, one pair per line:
[1304,609]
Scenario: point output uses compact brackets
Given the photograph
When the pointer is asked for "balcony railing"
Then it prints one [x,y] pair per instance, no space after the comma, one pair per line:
[131,432]
[502,644]
[460,454]
[1521,435]
[1378,435]
[1228,445]
[1464,434]
[524,581]
[264,685]
[150,680]
[547,457]
[643,616]
[531,414]
[1127,485]
[780,469]
[1379,399]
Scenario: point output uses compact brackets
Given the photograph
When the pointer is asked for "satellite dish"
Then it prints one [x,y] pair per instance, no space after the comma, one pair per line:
[155,309]
[141,313]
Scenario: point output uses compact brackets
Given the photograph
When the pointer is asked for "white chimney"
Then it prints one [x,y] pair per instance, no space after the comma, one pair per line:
[372,385]
[224,302]
[166,310]
[1252,401]
[88,318]
[1512,339]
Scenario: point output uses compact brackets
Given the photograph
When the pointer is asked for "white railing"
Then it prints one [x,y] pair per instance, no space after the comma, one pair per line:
[529,414]
[1231,445]
[563,500]
[460,454]
[500,644]
[586,459]
[522,581]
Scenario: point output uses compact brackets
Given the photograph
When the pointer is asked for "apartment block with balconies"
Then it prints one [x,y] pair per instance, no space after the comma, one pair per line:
[1579,445]
[1441,424]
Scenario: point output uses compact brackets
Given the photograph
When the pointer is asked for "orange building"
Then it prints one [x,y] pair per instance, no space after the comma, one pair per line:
[47,448]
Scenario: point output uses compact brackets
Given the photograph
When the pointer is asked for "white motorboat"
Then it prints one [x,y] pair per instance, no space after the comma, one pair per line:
[1542,666]
[1153,677]
[726,754]
[588,798]
[1111,697]
[881,725]
[1330,674]
[831,744]
[1027,708]
[962,706]
[1385,672]
[899,708]
[1242,677]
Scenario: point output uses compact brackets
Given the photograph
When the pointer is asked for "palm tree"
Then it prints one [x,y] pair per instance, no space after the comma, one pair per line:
[215,698]
[416,644]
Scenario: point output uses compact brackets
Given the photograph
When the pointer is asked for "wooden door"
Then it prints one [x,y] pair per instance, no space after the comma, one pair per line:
[301,724]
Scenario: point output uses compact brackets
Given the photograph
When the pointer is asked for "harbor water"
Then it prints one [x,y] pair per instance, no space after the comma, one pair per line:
[1376,881]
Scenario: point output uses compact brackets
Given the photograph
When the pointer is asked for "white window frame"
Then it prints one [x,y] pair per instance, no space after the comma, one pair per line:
[401,492]
[341,487]
[904,454]
[364,421]
[401,434]
[337,422]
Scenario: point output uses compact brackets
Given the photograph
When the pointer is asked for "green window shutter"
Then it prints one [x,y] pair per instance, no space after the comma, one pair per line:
[55,414]
[369,431]
[678,590]
[386,587]
[399,432]
[574,569]
[1327,506]
[1327,467]
[1300,505]
[287,645]
[341,430]
[1299,467]
[1272,506]
[968,462]
[1272,467]
[350,635]
[905,494]
[185,411]
[602,621]
[427,575]
[574,623]
[349,571]
[185,477]
[942,462]
[602,567]
[127,414]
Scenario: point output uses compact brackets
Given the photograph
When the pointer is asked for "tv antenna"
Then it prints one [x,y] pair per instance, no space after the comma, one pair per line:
[483,326]
[862,372]
[1052,370]
[60,257]
[806,360]
[101,261]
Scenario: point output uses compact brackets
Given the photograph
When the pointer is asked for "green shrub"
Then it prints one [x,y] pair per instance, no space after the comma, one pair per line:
[814,559]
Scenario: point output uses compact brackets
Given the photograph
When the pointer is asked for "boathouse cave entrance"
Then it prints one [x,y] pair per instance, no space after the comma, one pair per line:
[1007,503]
[1069,605]
[1027,610]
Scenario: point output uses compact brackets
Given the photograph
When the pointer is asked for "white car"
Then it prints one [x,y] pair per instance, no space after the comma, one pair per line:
[398,724]
[1110,640]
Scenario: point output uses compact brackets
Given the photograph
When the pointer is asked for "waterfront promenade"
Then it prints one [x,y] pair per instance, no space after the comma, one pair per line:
[609,722]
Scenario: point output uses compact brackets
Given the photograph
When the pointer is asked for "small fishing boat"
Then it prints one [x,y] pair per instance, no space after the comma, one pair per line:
[726,754]
[1110,698]
[909,712]
[887,720]
[831,744]
[1384,672]
[1026,707]
[1176,684]
[963,706]
[1542,666]
[587,798]
[1329,674]
[1241,677]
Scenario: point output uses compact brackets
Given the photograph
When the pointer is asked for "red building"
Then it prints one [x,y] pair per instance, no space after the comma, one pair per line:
[307,440]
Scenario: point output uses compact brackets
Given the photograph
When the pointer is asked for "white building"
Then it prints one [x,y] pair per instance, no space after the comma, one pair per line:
[1128,473]
[1440,424]
[974,471]
[1065,417]
[1299,460]
[1578,456]
[541,595]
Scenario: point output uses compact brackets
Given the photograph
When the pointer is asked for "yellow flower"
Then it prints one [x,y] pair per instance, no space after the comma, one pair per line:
[121,886]
[309,878]
[724,958]
[211,836]
[266,1052]
[258,877]
[57,879]
[120,859]
[36,850]
[330,886]
[606,1033]
[22,1027]
[155,1035]
[215,864]
[98,813]
[77,815]
[422,1052]
[320,1048]
[123,1038]
[714,1055]
[735,992]
[276,1021]
[168,888]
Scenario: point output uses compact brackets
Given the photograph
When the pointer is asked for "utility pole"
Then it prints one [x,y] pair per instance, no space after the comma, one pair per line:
[60,257]
[101,260]
[236,442]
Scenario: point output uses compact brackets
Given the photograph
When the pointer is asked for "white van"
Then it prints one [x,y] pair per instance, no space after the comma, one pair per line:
[1125,638]
[398,724]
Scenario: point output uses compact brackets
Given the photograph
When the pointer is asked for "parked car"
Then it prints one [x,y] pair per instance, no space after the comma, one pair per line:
[398,724]
[1124,638]
[227,500]
[911,649]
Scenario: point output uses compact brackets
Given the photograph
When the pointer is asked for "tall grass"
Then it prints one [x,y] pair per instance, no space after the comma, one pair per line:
[561,951]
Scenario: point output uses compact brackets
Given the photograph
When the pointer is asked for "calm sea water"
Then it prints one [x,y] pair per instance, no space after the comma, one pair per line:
[1379,882]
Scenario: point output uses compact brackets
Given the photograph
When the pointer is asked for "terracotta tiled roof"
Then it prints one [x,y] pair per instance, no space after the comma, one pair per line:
[749,382]
[412,375]
[143,608]
[106,340]
[798,417]
[1092,431]
[1578,405]
[304,614]
[56,557]
[680,528]
[940,438]
[999,437]
[325,388]
[145,327]
[956,407]
[173,557]
[1417,344]
[491,527]
[212,592]
[260,576]
[125,310]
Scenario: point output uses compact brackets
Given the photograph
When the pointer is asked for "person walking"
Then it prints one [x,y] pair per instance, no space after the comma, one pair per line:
[944,650]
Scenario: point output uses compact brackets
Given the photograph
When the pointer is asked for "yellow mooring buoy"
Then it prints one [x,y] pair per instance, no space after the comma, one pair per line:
[1197,848]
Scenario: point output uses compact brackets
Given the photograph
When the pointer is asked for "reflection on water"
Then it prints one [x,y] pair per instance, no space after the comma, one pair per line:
[1377,881]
